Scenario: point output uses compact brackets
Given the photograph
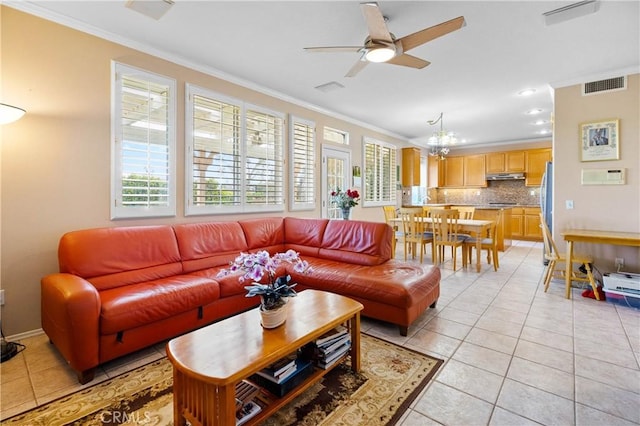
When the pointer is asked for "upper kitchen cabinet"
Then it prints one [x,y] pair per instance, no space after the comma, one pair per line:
[435,172]
[536,162]
[474,166]
[467,171]
[453,172]
[506,162]
[410,166]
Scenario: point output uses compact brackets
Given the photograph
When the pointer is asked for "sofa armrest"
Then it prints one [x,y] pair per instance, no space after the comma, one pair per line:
[70,308]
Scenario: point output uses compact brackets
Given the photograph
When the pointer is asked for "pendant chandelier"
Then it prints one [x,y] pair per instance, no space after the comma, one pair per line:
[440,140]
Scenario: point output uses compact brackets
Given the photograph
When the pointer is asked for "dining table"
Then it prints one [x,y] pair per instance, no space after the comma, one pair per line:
[616,238]
[474,227]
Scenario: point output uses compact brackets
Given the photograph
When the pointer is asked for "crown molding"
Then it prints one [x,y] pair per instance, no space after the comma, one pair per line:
[41,12]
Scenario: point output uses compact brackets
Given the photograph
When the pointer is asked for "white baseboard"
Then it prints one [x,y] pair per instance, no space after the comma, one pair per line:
[25,335]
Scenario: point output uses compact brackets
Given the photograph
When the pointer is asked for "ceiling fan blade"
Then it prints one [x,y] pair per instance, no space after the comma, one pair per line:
[421,37]
[408,61]
[332,49]
[375,22]
[357,67]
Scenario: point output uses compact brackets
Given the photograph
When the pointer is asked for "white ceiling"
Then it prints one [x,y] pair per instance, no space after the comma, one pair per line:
[474,76]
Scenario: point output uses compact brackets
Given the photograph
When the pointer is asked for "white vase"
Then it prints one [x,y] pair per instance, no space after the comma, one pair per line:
[273,318]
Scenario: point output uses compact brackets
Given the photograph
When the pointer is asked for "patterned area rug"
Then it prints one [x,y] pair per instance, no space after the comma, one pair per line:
[390,379]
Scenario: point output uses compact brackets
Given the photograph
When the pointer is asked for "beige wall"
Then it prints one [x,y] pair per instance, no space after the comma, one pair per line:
[606,207]
[55,172]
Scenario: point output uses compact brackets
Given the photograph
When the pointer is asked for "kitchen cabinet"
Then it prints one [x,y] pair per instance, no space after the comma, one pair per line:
[410,167]
[467,171]
[506,162]
[536,161]
[453,172]
[525,223]
[435,172]
[516,161]
[517,223]
[474,175]
[495,162]
[531,228]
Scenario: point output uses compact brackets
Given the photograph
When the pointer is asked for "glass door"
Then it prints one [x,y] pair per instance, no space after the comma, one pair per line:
[336,173]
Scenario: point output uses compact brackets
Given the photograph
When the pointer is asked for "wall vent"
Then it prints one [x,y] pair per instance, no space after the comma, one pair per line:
[608,85]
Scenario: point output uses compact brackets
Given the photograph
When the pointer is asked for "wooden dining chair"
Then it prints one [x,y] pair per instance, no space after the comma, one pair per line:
[488,242]
[416,232]
[557,263]
[445,234]
[391,212]
[465,212]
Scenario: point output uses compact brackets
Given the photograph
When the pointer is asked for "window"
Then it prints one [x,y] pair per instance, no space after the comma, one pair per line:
[336,136]
[379,173]
[234,155]
[143,144]
[302,172]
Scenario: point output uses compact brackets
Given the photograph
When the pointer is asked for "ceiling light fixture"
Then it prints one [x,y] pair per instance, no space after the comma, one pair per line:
[10,113]
[380,52]
[441,139]
[534,111]
[526,92]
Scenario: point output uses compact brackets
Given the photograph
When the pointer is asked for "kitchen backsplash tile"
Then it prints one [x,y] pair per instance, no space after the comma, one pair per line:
[504,191]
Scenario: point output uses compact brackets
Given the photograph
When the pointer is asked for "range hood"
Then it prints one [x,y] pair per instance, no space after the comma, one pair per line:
[505,176]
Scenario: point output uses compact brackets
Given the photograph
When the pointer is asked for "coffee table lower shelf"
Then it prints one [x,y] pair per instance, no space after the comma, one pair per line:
[274,403]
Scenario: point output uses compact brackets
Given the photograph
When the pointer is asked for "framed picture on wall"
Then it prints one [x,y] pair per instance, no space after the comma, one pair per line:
[600,140]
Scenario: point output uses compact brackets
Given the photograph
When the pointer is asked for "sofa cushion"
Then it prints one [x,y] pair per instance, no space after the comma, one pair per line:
[113,257]
[361,243]
[304,235]
[206,245]
[124,308]
[264,234]
[394,283]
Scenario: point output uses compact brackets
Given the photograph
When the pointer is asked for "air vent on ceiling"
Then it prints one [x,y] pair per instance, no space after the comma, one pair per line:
[608,85]
[330,87]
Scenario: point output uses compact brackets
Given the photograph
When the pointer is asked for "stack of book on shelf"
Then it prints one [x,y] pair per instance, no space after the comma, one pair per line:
[247,405]
[329,348]
[283,375]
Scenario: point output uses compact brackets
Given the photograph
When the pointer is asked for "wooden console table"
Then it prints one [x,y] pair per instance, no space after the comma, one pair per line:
[595,237]
[209,362]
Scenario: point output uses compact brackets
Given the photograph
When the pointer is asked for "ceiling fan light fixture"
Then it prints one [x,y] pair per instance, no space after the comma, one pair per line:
[380,54]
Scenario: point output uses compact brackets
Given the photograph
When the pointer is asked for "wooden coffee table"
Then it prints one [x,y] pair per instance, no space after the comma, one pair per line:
[209,362]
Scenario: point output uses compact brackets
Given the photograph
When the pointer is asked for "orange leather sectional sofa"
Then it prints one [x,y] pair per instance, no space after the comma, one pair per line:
[125,288]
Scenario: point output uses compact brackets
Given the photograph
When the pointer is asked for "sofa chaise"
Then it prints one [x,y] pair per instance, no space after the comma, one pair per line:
[121,289]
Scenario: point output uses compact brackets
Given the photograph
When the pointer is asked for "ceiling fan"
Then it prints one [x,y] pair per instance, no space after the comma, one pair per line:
[382,46]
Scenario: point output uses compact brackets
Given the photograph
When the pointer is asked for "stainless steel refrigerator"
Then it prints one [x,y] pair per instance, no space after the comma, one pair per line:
[546,198]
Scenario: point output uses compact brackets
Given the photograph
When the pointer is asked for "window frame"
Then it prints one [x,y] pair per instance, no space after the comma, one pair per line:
[311,164]
[118,209]
[242,139]
[393,178]
[344,133]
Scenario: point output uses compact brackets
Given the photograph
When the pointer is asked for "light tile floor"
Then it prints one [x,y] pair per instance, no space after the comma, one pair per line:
[514,355]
